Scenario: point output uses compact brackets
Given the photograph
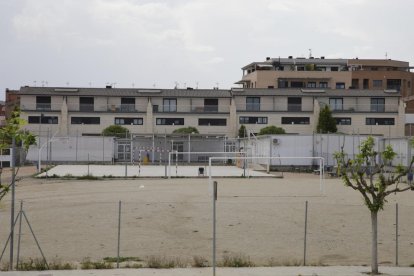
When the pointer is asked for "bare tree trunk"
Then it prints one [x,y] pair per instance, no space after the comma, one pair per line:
[374,250]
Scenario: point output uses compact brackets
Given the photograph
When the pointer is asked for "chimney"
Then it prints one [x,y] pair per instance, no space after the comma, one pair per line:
[108,86]
[290,57]
[267,58]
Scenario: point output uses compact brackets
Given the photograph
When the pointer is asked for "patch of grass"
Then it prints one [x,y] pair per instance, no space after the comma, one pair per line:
[87,177]
[121,259]
[236,260]
[4,266]
[108,176]
[199,261]
[88,264]
[32,264]
[164,262]
[58,265]
[68,175]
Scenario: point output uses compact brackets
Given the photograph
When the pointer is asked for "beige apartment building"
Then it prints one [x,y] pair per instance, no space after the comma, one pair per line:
[314,73]
[87,111]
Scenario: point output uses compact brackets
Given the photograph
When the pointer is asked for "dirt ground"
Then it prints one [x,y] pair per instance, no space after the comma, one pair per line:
[262,219]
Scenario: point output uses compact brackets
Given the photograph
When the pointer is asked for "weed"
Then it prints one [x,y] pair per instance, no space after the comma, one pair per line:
[237,260]
[121,259]
[88,264]
[32,264]
[164,262]
[68,175]
[4,266]
[199,261]
[58,265]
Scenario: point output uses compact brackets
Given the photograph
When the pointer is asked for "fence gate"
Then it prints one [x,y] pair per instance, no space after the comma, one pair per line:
[124,151]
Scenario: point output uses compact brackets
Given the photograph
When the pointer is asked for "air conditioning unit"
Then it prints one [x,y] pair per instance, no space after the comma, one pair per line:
[276,141]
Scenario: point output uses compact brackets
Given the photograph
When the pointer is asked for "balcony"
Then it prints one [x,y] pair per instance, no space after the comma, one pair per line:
[270,107]
[365,108]
[190,108]
[40,107]
[86,107]
[124,108]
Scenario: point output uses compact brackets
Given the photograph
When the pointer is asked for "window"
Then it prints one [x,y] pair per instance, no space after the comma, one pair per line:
[323,84]
[311,84]
[45,119]
[355,83]
[334,68]
[336,103]
[283,84]
[252,120]
[340,85]
[85,120]
[211,105]
[253,103]
[43,103]
[377,104]
[343,121]
[297,84]
[365,83]
[170,105]
[128,104]
[86,104]
[394,84]
[128,121]
[170,121]
[212,122]
[380,121]
[377,83]
[294,104]
[295,121]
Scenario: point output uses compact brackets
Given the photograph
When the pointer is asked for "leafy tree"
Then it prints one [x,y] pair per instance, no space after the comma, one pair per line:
[242,131]
[370,174]
[326,123]
[116,131]
[23,138]
[186,130]
[271,130]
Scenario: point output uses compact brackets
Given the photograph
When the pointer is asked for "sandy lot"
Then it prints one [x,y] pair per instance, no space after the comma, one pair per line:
[259,218]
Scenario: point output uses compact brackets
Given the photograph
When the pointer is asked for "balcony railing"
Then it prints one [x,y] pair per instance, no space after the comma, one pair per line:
[40,107]
[43,106]
[191,108]
[367,108]
[86,107]
[277,107]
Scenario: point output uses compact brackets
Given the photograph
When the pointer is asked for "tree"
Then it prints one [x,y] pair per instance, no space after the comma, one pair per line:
[370,174]
[271,130]
[242,131]
[23,138]
[326,123]
[116,131]
[186,130]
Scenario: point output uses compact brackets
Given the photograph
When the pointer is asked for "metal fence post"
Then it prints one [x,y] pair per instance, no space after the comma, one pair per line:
[306,230]
[214,226]
[396,234]
[20,235]
[13,196]
[119,233]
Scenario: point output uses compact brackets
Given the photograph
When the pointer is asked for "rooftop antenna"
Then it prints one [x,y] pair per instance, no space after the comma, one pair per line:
[197,85]
[46,83]
[133,85]
[154,85]
[386,55]
[90,84]
[310,53]
[185,85]
[43,83]
[67,83]
[217,85]
[35,83]
[176,85]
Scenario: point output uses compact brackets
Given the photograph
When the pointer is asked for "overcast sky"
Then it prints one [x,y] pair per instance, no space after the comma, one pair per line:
[144,43]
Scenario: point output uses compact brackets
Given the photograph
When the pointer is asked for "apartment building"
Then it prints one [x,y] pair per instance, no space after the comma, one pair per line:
[339,74]
[87,111]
